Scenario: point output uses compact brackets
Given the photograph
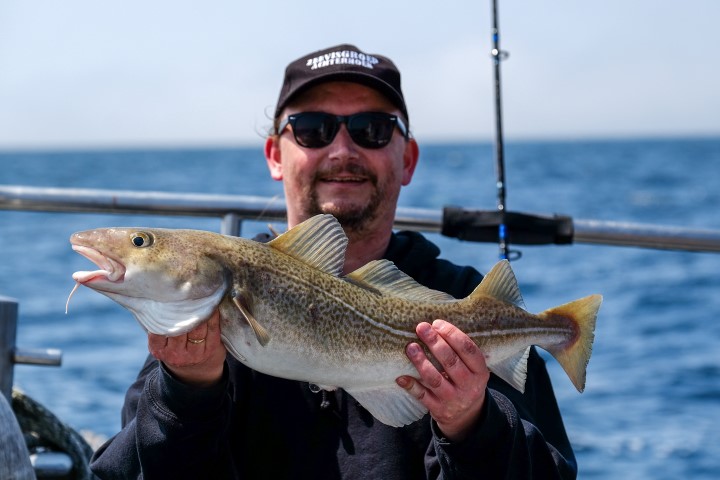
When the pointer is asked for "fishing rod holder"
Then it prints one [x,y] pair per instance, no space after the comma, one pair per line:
[10,355]
[520,228]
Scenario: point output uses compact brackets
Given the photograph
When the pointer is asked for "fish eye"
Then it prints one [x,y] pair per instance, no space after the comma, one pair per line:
[142,239]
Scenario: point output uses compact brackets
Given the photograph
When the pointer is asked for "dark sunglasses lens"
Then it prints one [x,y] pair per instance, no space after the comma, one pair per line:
[371,130]
[315,130]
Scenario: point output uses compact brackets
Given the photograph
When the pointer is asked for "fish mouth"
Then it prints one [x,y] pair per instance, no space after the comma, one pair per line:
[111,270]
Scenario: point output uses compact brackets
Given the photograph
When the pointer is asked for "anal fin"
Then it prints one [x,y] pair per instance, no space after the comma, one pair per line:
[390,404]
[513,369]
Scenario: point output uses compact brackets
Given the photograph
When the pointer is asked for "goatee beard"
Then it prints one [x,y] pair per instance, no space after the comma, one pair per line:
[355,219]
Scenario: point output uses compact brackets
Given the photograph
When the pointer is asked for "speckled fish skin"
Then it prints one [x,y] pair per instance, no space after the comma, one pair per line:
[287,311]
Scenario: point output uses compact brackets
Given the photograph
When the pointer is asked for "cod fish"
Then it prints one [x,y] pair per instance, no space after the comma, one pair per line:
[286,309]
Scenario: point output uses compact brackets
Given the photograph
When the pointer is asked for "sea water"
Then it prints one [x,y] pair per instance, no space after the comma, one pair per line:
[651,408]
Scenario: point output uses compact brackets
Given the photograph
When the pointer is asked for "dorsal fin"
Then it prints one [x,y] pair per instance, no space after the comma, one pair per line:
[384,277]
[500,283]
[319,242]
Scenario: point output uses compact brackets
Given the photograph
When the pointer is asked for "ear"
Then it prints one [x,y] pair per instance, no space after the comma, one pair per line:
[272,156]
[410,160]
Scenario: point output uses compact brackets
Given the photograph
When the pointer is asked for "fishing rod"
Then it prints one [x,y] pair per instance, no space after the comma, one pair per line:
[503,225]
[498,56]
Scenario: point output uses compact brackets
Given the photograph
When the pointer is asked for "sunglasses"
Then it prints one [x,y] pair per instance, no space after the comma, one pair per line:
[367,129]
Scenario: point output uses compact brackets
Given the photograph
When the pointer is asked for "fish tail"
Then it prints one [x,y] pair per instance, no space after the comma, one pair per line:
[574,355]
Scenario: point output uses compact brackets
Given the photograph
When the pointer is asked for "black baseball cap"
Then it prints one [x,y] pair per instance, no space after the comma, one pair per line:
[342,63]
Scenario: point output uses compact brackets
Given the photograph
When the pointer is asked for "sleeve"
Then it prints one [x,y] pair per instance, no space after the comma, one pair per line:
[170,430]
[510,441]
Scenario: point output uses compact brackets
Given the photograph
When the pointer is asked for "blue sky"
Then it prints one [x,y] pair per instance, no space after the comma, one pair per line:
[83,73]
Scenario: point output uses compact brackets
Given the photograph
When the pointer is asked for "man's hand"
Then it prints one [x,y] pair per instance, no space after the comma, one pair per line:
[455,394]
[196,358]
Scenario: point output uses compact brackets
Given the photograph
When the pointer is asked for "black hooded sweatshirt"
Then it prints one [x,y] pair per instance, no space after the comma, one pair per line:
[254,426]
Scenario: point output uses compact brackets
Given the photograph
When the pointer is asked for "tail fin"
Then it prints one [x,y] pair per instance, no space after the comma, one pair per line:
[575,356]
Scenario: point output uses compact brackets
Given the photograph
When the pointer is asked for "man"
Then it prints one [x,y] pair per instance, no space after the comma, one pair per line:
[340,145]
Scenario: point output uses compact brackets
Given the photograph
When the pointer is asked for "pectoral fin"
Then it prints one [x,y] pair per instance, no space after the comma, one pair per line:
[243,305]
[390,404]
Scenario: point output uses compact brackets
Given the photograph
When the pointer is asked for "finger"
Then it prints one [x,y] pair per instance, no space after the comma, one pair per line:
[447,357]
[413,387]
[167,349]
[432,399]
[213,328]
[156,342]
[176,345]
[190,348]
[197,336]
[468,353]
[430,377]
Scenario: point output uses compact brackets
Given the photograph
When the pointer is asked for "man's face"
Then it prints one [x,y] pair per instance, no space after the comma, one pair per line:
[357,185]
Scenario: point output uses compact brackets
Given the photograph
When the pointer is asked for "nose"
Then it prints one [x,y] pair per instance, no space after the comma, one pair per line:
[343,145]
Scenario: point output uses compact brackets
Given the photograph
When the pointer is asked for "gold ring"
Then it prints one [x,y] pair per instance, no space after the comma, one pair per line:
[192,340]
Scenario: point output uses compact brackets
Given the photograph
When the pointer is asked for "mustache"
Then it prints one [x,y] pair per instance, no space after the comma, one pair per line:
[346,169]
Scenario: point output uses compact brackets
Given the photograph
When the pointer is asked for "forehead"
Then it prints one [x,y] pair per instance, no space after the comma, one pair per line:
[337,97]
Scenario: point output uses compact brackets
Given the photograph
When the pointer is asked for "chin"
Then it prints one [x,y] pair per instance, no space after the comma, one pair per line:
[345,211]
[340,206]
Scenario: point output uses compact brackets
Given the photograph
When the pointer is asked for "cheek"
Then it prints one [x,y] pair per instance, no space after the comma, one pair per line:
[391,172]
[293,174]
[297,179]
[297,163]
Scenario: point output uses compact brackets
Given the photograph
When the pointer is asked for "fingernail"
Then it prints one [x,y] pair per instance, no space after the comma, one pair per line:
[413,349]
[423,329]
[438,324]
[402,381]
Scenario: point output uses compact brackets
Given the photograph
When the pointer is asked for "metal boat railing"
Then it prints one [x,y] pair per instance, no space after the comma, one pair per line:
[233,209]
